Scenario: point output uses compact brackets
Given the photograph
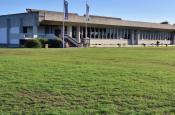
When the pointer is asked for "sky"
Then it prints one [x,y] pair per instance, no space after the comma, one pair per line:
[136,10]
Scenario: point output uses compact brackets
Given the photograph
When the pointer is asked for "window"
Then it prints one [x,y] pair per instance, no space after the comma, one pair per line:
[74,32]
[25,30]
[92,32]
[104,33]
[96,32]
[88,32]
[47,30]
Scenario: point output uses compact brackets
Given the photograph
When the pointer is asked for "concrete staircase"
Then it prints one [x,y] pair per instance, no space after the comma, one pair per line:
[72,42]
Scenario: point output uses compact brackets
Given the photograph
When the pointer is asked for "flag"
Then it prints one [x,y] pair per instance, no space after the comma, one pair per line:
[66,10]
[87,12]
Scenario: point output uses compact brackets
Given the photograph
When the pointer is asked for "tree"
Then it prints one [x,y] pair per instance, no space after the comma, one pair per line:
[165,22]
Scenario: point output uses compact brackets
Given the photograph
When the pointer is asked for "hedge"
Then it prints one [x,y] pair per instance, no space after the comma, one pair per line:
[43,41]
[40,42]
[54,43]
[32,43]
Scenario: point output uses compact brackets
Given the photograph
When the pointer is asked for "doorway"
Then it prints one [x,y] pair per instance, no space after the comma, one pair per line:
[58,32]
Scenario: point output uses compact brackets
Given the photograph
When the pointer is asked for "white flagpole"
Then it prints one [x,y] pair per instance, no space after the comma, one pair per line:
[86,31]
[63,21]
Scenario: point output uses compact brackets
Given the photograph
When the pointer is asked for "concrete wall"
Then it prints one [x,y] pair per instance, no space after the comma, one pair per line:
[108,42]
[150,42]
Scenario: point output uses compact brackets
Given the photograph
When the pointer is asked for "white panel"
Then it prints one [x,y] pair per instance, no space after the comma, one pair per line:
[3,35]
[14,30]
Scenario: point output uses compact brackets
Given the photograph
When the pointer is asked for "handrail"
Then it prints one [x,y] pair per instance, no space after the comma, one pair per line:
[75,42]
[71,38]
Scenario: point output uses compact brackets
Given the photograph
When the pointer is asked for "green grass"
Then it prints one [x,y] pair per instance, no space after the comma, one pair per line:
[87,81]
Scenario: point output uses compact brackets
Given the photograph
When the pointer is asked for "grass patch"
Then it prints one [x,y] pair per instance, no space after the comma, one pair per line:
[87,81]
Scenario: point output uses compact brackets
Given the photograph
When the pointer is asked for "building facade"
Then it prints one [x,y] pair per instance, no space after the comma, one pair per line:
[101,31]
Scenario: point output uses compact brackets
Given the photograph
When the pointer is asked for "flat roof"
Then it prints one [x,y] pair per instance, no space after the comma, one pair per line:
[45,15]
[103,20]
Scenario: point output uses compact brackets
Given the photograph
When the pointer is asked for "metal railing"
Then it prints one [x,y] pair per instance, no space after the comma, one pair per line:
[72,40]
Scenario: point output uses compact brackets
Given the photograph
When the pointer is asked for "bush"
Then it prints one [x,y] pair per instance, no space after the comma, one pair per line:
[32,43]
[54,43]
[40,42]
[43,41]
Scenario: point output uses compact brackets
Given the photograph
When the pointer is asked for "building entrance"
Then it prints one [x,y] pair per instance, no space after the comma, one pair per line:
[58,32]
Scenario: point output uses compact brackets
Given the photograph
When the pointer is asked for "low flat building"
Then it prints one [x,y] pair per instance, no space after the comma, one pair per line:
[101,31]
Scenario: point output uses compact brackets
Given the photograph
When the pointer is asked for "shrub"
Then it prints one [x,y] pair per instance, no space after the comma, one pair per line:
[32,43]
[165,22]
[54,43]
[40,42]
[43,41]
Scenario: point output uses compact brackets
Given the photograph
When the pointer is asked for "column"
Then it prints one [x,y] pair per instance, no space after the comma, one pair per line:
[137,37]
[98,32]
[172,38]
[102,33]
[69,31]
[132,37]
[117,36]
[78,34]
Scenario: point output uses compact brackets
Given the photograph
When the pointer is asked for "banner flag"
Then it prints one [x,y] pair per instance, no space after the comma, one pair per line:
[87,12]
[66,13]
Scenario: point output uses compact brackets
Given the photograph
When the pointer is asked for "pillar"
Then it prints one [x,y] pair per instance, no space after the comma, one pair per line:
[69,31]
[137,37]
[117,30]
[78,34]
[132,37]
[173,39]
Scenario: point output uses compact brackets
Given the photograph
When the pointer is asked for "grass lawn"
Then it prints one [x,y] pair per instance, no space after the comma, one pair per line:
[87,81]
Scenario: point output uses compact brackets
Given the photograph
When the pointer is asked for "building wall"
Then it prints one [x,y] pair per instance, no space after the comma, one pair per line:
[108,42]
[11,26]
[151,42]
[104,32]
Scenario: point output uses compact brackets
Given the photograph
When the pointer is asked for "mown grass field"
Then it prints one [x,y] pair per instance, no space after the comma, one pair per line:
[87,81]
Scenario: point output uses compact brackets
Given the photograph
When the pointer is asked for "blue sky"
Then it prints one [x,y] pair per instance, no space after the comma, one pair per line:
[138,10]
